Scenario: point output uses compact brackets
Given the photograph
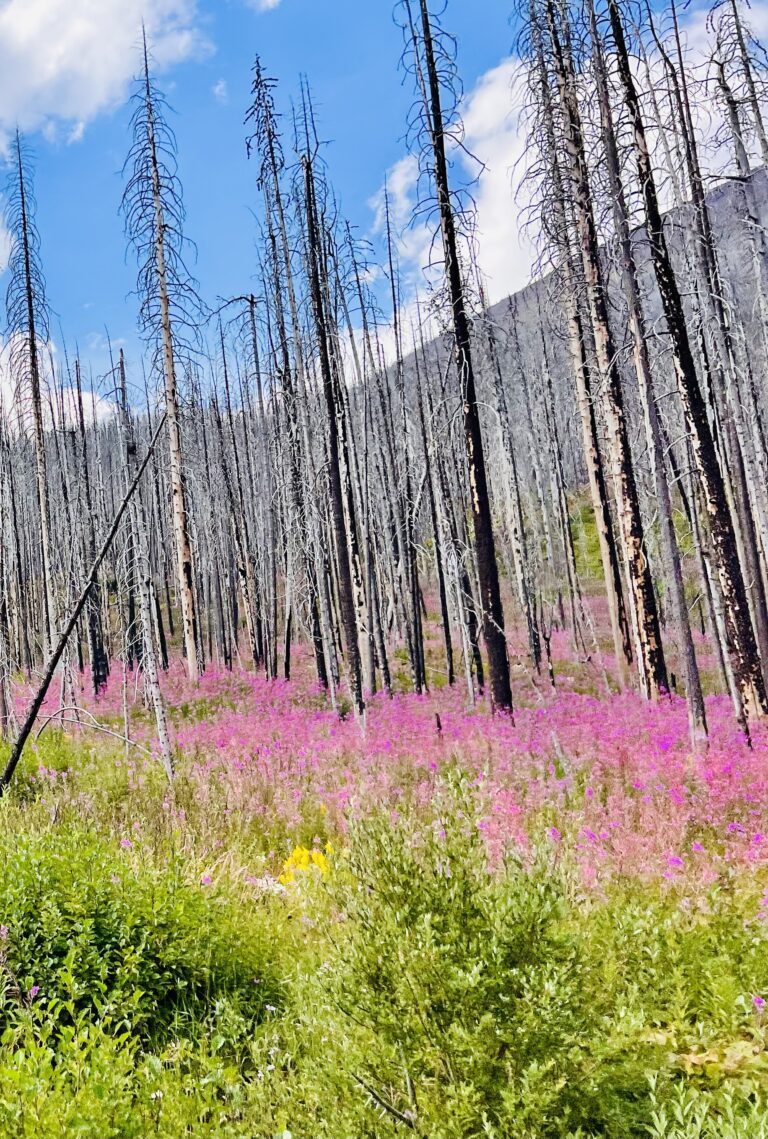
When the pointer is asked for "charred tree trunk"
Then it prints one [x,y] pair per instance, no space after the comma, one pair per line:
[482,521]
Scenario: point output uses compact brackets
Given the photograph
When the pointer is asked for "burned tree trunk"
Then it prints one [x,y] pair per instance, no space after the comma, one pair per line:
[333,411]
[742,647]
[482,522]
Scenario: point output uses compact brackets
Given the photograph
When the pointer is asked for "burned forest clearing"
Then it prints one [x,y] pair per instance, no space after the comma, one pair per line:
[384,641]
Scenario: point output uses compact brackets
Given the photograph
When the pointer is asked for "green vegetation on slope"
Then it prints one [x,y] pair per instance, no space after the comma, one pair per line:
[390,984]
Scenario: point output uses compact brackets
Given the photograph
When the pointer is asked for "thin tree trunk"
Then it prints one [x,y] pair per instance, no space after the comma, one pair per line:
[485,547]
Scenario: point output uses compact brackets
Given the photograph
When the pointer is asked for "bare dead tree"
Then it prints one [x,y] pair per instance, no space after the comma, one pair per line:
[27,332]
[154,217]
[421,46]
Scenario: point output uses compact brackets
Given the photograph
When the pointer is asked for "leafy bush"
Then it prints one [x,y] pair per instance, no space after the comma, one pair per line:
[507,1003]
[404,987]
[467,981]
[89,927]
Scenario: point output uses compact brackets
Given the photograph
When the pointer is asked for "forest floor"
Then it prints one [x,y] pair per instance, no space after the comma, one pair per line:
[439,923]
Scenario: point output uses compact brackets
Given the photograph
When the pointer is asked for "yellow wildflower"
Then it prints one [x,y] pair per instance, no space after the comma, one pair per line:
[302,860]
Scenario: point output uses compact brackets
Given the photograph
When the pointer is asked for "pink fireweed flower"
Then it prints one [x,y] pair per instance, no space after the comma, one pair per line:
[33,992]
[759,1003]
[206,880]
[126,844]
[628,759]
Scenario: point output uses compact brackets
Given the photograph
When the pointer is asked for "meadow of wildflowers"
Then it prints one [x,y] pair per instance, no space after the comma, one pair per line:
[438,921]
[609,778]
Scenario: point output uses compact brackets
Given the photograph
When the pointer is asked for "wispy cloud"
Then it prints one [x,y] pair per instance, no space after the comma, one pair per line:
[62,62]
[494,135]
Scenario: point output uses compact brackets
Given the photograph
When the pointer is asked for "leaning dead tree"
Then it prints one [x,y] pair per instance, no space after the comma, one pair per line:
[642,366]
[740,633]
[59,648]
[568,84]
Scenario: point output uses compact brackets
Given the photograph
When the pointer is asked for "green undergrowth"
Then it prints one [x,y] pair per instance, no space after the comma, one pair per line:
[378,984]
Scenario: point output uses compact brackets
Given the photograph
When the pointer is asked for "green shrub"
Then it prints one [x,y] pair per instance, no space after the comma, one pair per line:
[469,983]
[410,990]
[89,926]
[509,1003]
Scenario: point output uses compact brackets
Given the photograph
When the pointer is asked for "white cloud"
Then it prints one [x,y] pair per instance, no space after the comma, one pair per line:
[401,185]
[263,5]
[63,408]
[5,246]
[495,135]
[220,91]
[411,239]
[59,399]
[64,61]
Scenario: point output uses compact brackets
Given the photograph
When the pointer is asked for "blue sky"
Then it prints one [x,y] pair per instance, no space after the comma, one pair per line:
[77,122]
